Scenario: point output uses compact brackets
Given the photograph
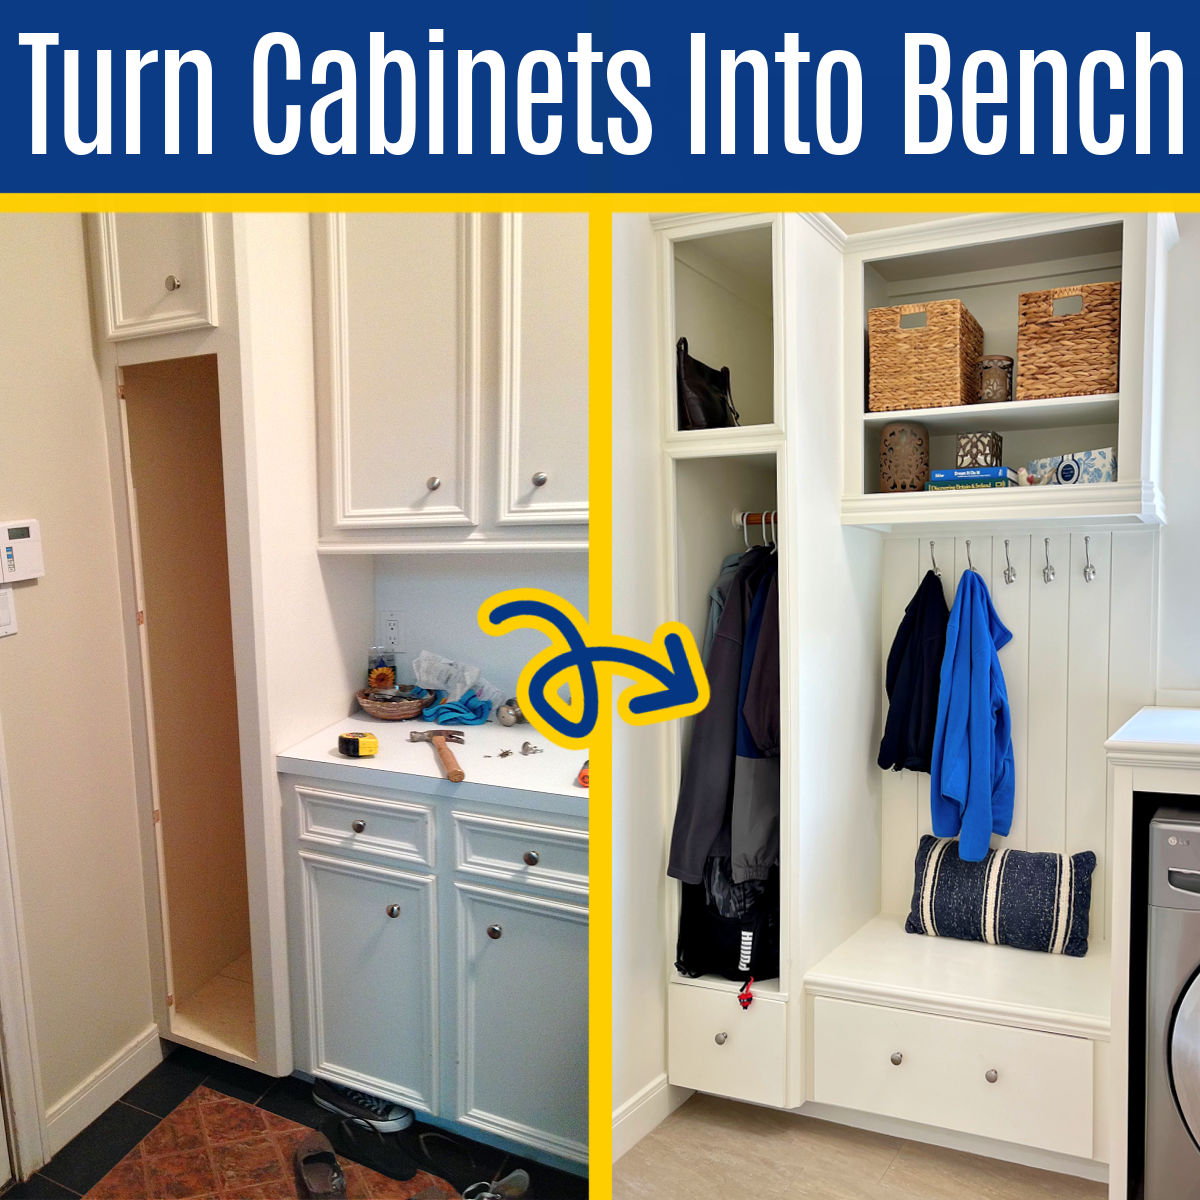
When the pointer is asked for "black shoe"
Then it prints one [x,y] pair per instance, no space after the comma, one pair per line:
[382,1152]
[373,1112]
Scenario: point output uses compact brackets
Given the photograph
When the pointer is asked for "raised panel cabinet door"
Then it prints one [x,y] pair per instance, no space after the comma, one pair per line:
[369,938]
[397,298]
[523,1018]
[159,273]
[544,382]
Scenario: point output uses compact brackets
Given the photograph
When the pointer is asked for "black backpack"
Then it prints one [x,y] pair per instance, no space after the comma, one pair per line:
[736,948]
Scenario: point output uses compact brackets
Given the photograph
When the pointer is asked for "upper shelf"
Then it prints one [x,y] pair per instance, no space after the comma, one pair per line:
[1015,414]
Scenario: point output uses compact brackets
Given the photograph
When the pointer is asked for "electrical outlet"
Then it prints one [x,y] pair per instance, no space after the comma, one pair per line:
[391,630]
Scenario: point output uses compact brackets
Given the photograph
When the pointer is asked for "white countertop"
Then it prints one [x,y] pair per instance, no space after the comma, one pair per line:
[1175,731]
[401,763]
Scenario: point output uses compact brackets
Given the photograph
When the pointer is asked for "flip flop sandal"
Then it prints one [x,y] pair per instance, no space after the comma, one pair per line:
[382,1152]
[318,1173]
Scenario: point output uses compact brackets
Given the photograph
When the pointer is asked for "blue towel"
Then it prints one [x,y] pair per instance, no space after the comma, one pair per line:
[971,774]
[469,709]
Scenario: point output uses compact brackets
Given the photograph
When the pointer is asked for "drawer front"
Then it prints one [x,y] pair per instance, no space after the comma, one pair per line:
[1016,1085]
[392,829]
[714,1046]
[544,856]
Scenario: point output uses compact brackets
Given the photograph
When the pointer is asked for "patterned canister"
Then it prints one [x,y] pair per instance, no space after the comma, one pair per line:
[995,378]
[903,457]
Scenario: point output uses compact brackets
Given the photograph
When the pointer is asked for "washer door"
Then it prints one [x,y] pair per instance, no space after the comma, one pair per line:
[1184,1057]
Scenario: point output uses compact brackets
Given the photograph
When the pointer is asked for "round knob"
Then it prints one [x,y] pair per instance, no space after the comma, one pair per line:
[433,482]
[539,480]
[897,1058]
[532,858]
[721,1039]
[173,283]
[495,932]
[992,1075]
[393,910]
[358,826]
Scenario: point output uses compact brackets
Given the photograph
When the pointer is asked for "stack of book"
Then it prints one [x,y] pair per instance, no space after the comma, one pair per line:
[971,477]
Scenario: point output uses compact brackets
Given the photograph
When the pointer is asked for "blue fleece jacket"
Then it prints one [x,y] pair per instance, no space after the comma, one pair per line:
[971,775]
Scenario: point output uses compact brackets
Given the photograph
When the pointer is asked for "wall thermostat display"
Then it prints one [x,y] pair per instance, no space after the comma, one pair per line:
[20,552]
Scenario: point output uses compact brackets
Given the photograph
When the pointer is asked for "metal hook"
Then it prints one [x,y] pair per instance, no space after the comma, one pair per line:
[970,564]
[1010,572]
[745,534]
[933,562]
[1089,571]
[1048,570]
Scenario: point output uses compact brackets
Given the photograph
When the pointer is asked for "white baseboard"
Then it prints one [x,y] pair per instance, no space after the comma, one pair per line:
[643,1111]
[81,1106]
[1043,1160]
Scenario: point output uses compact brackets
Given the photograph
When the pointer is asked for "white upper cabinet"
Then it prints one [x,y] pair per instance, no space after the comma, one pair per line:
[159,273]
[452,381]
[544,390]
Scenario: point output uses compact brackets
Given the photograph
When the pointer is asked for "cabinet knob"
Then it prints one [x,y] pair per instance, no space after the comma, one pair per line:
[540,479]
[897,1058]
[433,482]
[173,283]
[495,932]
[721,1039]
[992,1075]
[393,910]
[532,858]
[358,826]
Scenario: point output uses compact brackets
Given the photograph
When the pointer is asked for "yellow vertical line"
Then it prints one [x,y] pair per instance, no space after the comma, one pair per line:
[600,596]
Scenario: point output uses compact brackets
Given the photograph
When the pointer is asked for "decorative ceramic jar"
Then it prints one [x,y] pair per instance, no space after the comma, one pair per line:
[903,457]
[995,378]
[979,450]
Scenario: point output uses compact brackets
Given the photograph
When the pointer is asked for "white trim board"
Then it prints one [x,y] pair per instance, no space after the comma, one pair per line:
[643,1112]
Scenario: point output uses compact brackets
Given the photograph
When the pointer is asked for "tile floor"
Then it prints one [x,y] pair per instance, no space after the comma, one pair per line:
[713,1147]
[200,1127]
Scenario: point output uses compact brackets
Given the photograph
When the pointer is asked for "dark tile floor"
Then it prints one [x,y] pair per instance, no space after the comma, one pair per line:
[116,1138]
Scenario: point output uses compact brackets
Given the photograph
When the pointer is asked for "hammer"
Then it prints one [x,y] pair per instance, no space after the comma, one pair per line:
[439,738]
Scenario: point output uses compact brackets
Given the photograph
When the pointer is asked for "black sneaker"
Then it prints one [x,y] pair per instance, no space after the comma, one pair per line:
[372,1112]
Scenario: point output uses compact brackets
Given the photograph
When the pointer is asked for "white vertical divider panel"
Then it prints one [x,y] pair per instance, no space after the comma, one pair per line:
[903,569]
[1087,705]
[1012,605]
[1049,614]
[944,554]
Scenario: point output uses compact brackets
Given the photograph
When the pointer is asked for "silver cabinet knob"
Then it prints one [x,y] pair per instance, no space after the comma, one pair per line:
[540,479]
[495,932]
[433,482]
[358,826]
[393,910]
[897,1058]
[532,858]
[721,1039]
[173,283]
[992,1075]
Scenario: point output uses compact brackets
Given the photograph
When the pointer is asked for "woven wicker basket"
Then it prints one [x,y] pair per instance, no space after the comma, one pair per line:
[394,710]
[1076,354]
[930,367]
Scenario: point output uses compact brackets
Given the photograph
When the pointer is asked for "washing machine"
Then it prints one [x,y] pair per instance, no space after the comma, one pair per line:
[1172,1170]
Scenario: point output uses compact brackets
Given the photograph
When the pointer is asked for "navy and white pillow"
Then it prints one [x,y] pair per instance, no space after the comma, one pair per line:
[1017,898]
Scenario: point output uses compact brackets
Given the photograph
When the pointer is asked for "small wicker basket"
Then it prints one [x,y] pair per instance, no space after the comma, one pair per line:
[394,710]
[935,366]
[1075,354]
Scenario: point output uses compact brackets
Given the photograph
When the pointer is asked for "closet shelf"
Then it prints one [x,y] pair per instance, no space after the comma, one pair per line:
[1014,414]
[718,983]
[881,964]
[724,443]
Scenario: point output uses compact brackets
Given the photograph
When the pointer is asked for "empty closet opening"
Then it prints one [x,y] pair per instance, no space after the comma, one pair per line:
[723,291]
[173,429]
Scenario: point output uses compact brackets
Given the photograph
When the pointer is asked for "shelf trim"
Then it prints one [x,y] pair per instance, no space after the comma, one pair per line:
[1101,409]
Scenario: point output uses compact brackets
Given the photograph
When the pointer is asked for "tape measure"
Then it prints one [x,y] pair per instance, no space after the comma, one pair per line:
[581,780]
[358,745]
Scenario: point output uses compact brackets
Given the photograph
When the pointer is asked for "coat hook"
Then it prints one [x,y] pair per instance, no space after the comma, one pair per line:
[970,564]
[1089,571]
[933,561]
[1048,570]
[1010,572]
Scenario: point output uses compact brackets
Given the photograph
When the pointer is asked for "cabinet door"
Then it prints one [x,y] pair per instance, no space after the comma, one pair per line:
[522,1018]
[159,273]
[369,946]
[544,388]
[397,300]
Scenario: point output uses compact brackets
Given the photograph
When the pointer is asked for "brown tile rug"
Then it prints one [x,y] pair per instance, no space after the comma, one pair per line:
[213,1147]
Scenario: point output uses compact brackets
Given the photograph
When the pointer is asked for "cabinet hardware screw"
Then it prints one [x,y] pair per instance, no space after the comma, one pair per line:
[897,1058]
[540,479]
[721,1039]
[433,482]
[173,283]
[393,910]
[532,858]
[358,826]
[495,932]
[992,1075]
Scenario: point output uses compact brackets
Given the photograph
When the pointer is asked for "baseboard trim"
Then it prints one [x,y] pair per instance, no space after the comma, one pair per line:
[1026,1156]
[81,1106]
[643,1111]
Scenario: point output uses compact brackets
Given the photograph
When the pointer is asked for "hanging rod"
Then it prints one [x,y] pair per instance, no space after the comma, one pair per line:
[754,518]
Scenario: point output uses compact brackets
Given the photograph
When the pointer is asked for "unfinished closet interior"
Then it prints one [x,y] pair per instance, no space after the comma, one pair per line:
[990,1048]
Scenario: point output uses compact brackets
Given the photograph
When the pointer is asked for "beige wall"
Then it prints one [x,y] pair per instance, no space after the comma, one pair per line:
[63,691]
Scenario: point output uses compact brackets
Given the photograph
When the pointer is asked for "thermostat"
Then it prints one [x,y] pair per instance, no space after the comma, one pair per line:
[20,552]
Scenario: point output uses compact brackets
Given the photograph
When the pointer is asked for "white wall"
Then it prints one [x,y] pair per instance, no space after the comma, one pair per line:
[63,690]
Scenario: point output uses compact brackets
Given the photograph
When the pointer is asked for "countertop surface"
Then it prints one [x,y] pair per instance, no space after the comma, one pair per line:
[401,763]
[1154,728]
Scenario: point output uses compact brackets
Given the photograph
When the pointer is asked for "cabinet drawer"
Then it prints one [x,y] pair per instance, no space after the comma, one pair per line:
[717,1047]
[936,1070]
[394,829]
[519,852]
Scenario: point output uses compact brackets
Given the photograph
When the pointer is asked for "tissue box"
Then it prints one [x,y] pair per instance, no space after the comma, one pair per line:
[1083,466]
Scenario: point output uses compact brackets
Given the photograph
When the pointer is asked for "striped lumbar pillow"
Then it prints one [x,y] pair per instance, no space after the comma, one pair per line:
[1012,898]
